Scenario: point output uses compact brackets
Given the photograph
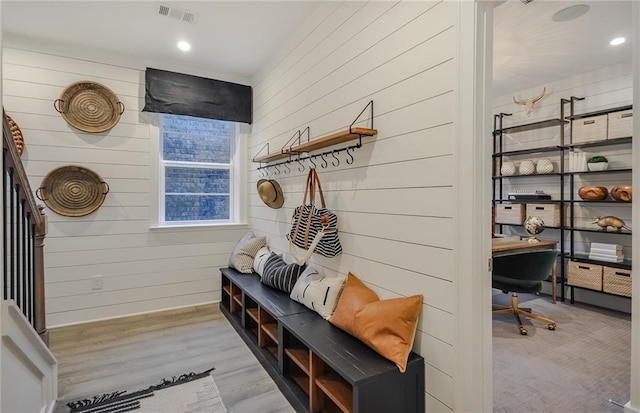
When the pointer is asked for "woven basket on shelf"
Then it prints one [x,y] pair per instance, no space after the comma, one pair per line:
[73,191]
[17,134]
[89,107]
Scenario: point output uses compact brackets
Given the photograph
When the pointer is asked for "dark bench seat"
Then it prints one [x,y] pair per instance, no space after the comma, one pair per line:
[317,366]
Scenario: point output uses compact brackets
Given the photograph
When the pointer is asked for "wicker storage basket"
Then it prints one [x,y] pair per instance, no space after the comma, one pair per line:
[510,214]
[616,281]
[589,129]
[620,124]
[585,275]
[89,107]
[549,213]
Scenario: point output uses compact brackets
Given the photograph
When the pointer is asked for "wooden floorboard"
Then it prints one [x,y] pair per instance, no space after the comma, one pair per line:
[136,352]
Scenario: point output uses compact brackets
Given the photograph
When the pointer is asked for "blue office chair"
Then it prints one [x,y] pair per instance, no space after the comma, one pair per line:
[522,273]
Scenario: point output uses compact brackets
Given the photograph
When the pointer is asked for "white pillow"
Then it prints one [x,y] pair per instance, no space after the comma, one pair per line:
[260,259]
[244,252]
[317,292]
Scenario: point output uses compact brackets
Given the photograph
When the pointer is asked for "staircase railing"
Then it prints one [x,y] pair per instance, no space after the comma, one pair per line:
[24,230]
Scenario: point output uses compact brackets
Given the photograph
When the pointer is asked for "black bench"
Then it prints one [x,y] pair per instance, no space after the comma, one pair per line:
[317,366]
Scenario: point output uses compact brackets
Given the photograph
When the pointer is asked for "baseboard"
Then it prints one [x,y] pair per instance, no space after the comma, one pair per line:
[629,409]
[142,313]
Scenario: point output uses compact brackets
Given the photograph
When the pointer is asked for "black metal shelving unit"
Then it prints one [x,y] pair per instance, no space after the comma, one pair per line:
[499,130]
[572,255]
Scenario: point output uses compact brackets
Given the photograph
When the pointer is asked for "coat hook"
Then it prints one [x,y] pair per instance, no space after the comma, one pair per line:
[324,160]
[350,156]
[312,162]
[300,165]
[336,161]
[277,172]
[286,165]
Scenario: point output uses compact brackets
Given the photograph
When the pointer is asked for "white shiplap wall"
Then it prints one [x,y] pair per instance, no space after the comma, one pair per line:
[395,203]
[606,88]
[143,270]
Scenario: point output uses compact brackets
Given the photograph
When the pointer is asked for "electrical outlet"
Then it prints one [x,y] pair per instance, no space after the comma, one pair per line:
[96,282]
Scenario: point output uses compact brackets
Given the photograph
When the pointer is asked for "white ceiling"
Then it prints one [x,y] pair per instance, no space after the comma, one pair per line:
[230,37]
[239,37]
[531,49]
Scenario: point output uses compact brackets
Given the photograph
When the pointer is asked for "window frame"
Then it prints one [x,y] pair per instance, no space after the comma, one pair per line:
[237,179]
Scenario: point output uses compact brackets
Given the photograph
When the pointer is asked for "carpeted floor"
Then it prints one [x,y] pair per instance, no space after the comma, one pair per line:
[576,368]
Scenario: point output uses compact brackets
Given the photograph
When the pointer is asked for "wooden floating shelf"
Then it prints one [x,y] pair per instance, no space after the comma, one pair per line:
[323,142]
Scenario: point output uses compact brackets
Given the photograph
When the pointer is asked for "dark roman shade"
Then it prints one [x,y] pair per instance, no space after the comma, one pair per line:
[180,94]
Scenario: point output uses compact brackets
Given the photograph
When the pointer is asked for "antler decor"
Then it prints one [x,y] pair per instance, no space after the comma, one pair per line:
[529,103]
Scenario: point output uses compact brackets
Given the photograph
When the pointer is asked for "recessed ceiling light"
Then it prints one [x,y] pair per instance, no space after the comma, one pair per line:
[617,41]
[184,46]
[570,13]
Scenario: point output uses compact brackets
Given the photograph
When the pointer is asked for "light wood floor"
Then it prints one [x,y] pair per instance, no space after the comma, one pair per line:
[136,352]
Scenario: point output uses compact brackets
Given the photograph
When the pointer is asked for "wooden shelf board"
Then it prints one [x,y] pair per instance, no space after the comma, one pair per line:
[253,313]
[271,157]
[227,289]
[337,390]
[333,139]
[301,380]
[273,350]
[238,299]
[300,356]
[272,331]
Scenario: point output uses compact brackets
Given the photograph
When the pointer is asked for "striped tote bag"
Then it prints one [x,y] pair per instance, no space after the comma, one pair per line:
[314,228]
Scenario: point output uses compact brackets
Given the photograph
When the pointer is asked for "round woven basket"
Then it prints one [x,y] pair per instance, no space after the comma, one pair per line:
[73,191]
[17,134]
[89,107]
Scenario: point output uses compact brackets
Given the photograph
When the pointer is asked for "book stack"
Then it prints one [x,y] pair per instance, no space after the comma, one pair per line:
[606,252]
[527,196]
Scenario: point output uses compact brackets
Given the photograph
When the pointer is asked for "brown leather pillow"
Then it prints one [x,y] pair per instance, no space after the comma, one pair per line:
[387,326]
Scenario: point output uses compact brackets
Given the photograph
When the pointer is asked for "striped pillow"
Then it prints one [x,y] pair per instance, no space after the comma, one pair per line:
[317,292]
[244,252]
[278,274]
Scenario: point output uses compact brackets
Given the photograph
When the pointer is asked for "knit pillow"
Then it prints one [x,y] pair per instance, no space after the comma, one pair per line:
[317,292]
[278,274]
[260,259]
[243,253]
[387,326]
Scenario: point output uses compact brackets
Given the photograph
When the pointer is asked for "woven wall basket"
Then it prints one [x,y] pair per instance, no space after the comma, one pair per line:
[17,134]
[89,107]
[73,191]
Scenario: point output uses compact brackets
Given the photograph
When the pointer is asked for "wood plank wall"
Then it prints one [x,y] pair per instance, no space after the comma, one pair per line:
[143,270]
[395,203]
[602,89]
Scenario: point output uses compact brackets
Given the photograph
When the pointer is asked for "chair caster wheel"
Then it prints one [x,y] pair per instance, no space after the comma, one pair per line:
[523,331]
[552,326]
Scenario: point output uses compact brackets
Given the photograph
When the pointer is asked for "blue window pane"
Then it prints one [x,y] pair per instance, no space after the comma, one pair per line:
[191,139]
[196,207]
[196,180]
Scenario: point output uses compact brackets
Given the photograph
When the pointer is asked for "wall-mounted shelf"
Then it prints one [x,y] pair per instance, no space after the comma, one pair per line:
[295,147]
[529,126]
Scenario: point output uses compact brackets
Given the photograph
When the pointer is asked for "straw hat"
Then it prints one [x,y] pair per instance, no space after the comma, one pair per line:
[270,193]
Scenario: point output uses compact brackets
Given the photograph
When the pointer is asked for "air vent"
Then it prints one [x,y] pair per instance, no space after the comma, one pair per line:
[526,1]
[175,13]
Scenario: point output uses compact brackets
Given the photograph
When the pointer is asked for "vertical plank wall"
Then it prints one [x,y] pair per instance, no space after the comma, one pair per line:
[395,202]
[143,269]
[606,88]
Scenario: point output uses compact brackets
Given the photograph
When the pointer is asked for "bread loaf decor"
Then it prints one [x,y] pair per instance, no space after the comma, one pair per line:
[593,193]
[622,193]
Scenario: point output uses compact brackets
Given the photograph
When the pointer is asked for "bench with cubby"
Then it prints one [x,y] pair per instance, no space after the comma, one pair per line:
[317,366]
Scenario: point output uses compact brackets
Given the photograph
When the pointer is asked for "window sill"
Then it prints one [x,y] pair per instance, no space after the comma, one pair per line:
[182,227]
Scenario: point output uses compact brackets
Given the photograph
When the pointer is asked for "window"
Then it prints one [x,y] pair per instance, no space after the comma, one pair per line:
[196,170]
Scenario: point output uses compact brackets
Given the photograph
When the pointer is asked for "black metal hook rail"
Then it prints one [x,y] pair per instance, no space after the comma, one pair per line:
[289,151]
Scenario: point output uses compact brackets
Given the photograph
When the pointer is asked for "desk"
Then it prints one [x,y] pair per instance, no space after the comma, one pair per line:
[503,247]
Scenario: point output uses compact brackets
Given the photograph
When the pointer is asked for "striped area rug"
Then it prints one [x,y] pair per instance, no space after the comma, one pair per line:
[190,392]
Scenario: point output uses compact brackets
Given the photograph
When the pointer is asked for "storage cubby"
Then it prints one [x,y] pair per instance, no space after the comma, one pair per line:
[318,367]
